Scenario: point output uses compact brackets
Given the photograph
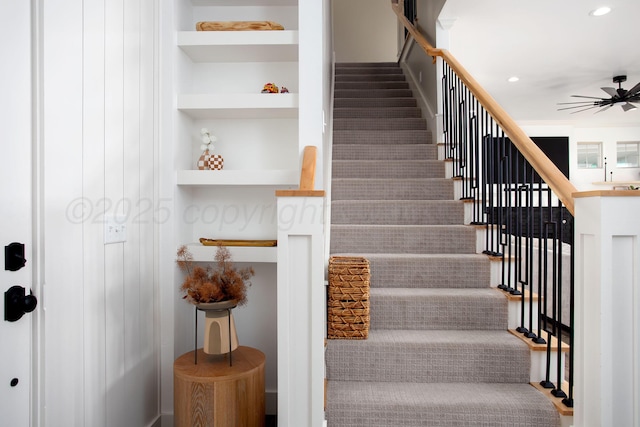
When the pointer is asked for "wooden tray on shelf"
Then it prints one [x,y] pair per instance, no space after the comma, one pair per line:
[221,242]
[238,26]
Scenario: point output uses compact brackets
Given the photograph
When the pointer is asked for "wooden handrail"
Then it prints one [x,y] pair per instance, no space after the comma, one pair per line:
[555,179]
[307,176]
[419,38]
[308,171]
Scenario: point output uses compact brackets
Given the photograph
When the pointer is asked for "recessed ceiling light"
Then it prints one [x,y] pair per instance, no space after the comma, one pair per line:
[600,11]
[513,79]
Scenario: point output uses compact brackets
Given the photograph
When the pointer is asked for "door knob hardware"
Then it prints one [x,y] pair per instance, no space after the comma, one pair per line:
[17,303]
[14,258]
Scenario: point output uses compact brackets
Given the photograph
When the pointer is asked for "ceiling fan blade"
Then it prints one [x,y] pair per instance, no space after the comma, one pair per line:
[590,105]
[577,102]
[610,91]
[604,109]
[589,97]
[628,107]
[634,90]
[584,109]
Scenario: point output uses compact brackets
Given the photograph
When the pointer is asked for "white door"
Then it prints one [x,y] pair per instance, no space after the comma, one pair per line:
[15,210]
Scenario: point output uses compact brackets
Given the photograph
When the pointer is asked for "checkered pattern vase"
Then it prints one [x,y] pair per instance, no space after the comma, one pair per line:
[203,161]
[216,162]
[208,161]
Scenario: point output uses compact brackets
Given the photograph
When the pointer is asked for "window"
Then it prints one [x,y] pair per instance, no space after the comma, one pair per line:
[628,154]
[589,155]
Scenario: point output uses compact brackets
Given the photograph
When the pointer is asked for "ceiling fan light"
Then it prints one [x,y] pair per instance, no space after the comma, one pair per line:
[600,11]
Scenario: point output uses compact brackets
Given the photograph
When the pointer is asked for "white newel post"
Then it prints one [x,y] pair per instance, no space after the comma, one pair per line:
[301,308]
[607,302]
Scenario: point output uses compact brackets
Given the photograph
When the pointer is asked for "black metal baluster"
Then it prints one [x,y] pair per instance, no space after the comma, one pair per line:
[498,229]
[475,157]
[549,321]
[558,392]
[568,401]
[530,242]
[538,217]
[515,205]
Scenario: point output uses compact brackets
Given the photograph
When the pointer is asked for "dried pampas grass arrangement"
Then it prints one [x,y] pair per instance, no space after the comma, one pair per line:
[207,284]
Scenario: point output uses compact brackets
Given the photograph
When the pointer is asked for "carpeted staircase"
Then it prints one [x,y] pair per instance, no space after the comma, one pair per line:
[438,351]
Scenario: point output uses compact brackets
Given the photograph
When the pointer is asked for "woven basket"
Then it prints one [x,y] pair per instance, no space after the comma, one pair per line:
[348,298]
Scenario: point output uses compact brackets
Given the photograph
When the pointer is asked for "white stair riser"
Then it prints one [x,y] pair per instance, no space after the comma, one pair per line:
[538,366]
[515,311]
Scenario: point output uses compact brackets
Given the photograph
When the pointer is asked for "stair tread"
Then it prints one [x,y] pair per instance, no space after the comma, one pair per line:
[435,337]
[467,271]
[379,93]
[487,292]
[401,202]
[440,256]
[373,102]
[441,355]
[391,169]
[372,84]
[373,404]
[398,212]
[400,163]
[381,136]
[417,181]
[381,152]
[403,238]
[366,63]
[380,123]
[391,188]
[406,227]
[437,308]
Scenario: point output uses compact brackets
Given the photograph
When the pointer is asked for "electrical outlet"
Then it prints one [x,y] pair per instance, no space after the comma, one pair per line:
[115,229]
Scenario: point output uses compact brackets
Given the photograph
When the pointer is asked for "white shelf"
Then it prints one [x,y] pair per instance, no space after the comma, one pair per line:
[254,254]
[239,105]
[274,177]
[617,183]
[240,46]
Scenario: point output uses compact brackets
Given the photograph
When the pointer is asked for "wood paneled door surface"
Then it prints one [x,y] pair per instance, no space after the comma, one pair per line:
[16,177]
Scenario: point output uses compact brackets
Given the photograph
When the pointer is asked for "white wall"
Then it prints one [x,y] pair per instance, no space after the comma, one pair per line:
[609,137]
[584,179]
[364,31]
[100,348]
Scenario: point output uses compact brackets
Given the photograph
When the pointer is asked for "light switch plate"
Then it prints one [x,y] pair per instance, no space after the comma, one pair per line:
[115,229]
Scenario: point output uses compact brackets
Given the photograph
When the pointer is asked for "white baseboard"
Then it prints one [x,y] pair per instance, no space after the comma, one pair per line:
[163,420]
[156,423]
[428,112]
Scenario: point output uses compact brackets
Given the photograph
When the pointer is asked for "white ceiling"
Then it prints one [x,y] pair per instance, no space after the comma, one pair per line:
[556,49]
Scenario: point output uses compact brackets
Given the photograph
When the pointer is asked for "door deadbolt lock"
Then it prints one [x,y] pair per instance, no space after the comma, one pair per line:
[14,258]
[17,303]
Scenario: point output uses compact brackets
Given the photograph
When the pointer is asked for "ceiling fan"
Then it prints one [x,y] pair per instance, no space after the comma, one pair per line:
[618,96]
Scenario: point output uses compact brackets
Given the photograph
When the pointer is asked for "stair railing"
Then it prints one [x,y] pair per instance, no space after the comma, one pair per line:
[522,201]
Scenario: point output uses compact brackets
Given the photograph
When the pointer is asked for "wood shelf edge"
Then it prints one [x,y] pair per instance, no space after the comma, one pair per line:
[540,347]
[300,193]
[607,193]
[557,402]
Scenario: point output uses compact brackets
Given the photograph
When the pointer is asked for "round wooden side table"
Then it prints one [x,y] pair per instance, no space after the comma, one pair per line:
[213,394]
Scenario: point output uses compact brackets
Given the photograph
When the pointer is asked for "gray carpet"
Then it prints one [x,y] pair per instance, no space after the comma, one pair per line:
[438,352]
